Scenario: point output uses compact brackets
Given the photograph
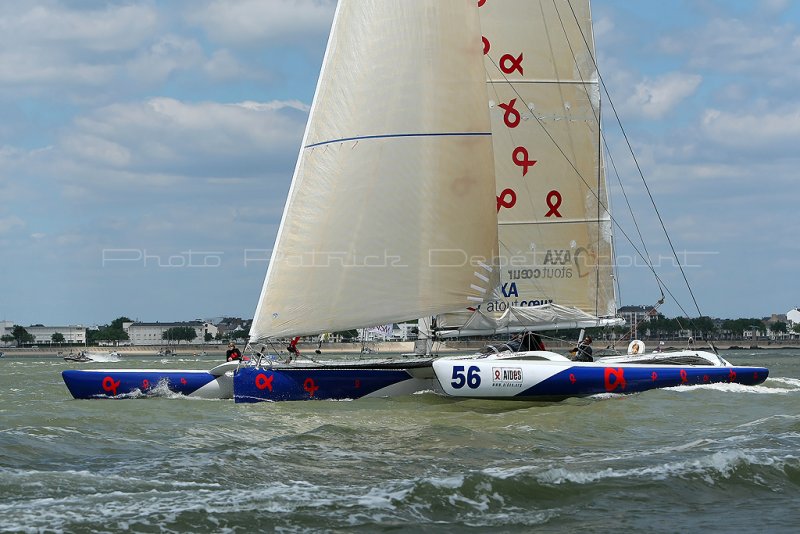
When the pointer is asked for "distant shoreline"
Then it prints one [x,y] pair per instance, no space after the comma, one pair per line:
[379,348]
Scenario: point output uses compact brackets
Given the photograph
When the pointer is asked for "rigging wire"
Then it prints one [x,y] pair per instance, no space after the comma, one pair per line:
[635,159]
[594,193]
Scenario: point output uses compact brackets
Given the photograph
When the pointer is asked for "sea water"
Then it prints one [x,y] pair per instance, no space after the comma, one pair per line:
[721,458]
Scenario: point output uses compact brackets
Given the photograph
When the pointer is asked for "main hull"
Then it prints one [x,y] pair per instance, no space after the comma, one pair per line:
[129,383]
[555,380]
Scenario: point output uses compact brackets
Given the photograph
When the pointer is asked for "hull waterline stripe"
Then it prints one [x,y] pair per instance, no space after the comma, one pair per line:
[390,136]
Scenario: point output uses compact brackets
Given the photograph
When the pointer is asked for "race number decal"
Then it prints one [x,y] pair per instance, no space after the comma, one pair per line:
[471,379]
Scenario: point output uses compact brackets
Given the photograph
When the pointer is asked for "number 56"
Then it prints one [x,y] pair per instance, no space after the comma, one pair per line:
[471,379]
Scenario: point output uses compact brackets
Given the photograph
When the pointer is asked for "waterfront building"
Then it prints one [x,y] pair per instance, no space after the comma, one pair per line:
[635,315]
[153,333]
[43,335]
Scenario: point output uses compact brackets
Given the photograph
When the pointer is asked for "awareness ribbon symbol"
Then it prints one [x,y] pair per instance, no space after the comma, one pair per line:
[520,158]
[512,116]
[262,382]
[619,378]
[553,204]
[110,386]
[509,63]
[310,387]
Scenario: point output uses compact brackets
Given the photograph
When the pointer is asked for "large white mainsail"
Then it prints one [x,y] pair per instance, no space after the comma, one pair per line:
[552,203]
[391,212]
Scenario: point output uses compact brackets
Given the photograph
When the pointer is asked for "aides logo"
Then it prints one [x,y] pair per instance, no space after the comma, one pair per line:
[507,377]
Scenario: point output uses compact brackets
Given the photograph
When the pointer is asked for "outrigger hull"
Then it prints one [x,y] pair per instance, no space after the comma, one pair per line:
[131,383]
[252,384]
[556,380]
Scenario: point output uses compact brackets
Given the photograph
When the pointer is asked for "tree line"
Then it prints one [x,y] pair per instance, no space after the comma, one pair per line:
[114,333]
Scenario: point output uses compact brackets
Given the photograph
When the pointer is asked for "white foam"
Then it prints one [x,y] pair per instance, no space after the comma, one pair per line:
[716,464]
[733,388]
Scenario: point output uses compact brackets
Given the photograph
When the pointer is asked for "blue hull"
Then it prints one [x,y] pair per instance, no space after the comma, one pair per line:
[257,385]
[582,381]
[126,383]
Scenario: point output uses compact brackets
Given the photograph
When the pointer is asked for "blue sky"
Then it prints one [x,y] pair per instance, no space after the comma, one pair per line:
[146,148]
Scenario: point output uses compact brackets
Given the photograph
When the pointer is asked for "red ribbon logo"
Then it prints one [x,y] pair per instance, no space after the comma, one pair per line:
[509,63]
[262,382]
[572,378]
[520,158]
[145,384]
[310,387]
[654,376]
[684,378]
[183,381]
[553,204]
[512,117]
[109,386]
[619,378]
[503,203]
[732,376]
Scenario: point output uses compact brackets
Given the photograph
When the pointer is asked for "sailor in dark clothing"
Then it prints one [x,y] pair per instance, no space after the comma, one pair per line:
[527,341]
[232,353]
[584,351]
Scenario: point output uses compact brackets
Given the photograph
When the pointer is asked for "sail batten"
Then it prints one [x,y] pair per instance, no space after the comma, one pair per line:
[391,208]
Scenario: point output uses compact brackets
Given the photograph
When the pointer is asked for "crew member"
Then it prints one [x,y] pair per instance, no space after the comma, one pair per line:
[232,353]
[584,350]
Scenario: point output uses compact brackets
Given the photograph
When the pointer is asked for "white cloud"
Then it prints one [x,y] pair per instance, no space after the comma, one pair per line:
[164,141]
[762,132]
[774,6]
[654,98]
[9,223]
[48,43]
[166,55]
[252,21]
[762,51]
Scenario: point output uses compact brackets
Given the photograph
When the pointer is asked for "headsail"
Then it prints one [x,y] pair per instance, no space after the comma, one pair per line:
[552,203]
[391,212]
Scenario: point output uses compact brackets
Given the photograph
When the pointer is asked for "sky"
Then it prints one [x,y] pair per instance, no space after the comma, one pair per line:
[146,149]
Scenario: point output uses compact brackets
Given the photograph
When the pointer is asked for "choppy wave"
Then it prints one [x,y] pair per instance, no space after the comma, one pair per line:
[418,463]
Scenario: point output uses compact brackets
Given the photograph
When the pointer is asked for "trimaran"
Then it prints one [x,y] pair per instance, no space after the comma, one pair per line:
[436,181]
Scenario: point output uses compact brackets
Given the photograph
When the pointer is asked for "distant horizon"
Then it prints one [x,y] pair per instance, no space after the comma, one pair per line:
[246,318]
